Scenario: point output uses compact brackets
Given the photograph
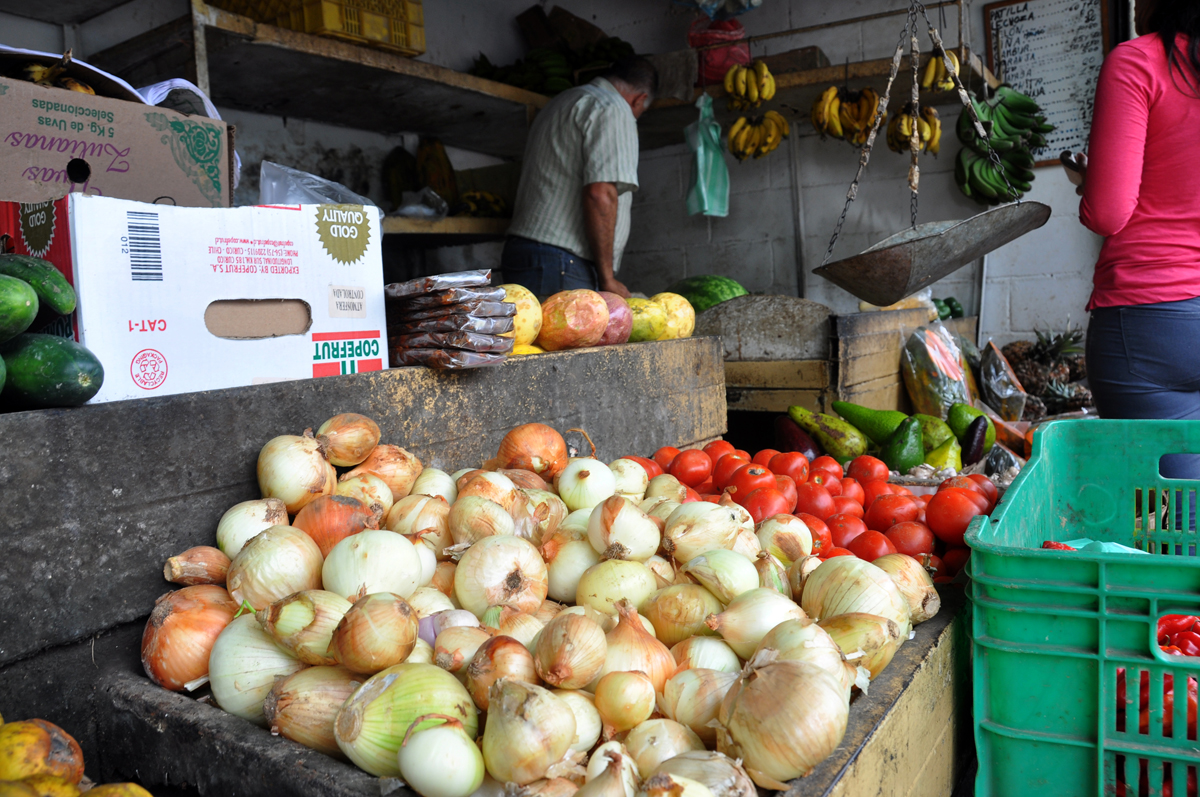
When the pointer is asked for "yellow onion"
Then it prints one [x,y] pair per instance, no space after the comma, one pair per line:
[603,584]
[273,565]
[664,571]
[556,511]
[660,508]
[785,537]
[507,621]
[698,527]
[669,785]
[708,653]
[500,570]
[372,724]
[434,482]
[617,529]
[748,618]
[567,559]
[426,556]
[529,517]
[442,760]
[632,481]
[546,787]
[624,699]
[588,724]
[38,749]
[744,518]
[456,646]
[294,469]
[772,575]
[867,640]
[693,698]
[244,521]
[778,739]
[524,479]
[243,665]
[422,653]
[854,586]
[397,467]
[304,706]
[498,657]
[570,651]
[303,623]
[747,545]
[548,611]
[798,573]
[427,601]
[804,640]
[585,482]
[723,573]
[534,447]
[495,487]
[377,632]
[914,583]
[350,437]
[528,730]
[423,513]
[678,612]
[631,648]
[200,565]
[605,621]
[655,741]
[723,776]
[332,518]
[611,772]
[666,486]
[443,580]
[368,488]
[181,632]
[372,561]
[472,518]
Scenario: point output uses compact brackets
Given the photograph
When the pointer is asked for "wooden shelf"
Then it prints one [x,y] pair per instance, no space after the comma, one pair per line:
[59,12]
[265,69]
[452,225]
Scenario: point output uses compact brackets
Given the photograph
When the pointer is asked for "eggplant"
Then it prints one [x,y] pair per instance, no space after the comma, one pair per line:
[790,437]
[973,441]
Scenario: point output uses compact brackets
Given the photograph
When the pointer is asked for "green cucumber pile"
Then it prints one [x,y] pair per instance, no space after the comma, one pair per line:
[1016,127]
[40,371]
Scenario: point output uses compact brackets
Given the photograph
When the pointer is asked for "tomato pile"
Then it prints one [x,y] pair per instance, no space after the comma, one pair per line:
[850,512]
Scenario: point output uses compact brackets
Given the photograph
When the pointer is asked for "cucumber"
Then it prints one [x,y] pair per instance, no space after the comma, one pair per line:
[18,307]
[48,371]
[53,290]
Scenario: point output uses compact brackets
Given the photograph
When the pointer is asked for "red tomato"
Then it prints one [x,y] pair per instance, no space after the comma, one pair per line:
[764,457]
[828,463]
[888,510]
[955,560]
[664,455]
[930,561]
[949,513]
[844,528]
[911,538]
[874,489]
[871,545]
[925,499]
[725,468]
[837,552]
[786,486]
[650,466]
[708,488]
[691,467]
[900,490]
[822,538]
[966,483]
[851,488]
[826,480]
[793,464]
[848,506]
[742,453]
[988,487]
[712,499]
[717,449]
[868,469]
[765,502]
[691,496]
[749,478]
[979,498]
[813,499]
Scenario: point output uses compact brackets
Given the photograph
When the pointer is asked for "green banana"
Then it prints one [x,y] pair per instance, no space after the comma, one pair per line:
[979,184]
[1014,119]
[841,440]
[1015,100]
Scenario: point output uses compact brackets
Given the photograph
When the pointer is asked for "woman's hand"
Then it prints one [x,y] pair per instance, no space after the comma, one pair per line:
[1081,168]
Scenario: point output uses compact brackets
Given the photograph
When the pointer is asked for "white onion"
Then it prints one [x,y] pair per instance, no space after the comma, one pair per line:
[804,640]
[555,513]
[372,561]
[660,508]
[492,486]
[666,486]
[426,556]
[474,517]
[658,740]
[617,529]
[422,513]
[441,761]
[614,753]
[705,652]
[294,469]
[528,730]
[456,646]
[242,522]
[631,479]
[429,627]
[693,698]
[276,563]
[501,570]
[585,482]
[785,537]
[435,482]
[854,586]
[368,488]
[748,618]
[567,559]
[587,719]
[608,582]
[697,527]
[724,573]
[678,612]
[723,776]
[576,523]
[663,570]
[243,665]
[422,653]
[427,600]
[747,544]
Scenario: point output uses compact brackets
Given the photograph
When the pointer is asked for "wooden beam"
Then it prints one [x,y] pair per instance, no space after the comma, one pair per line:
[795,374]
[759,400]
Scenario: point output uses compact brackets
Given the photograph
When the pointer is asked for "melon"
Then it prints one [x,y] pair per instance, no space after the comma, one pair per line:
[620,320]
[707,290]
[649,320]
[528,321]
[681,318]
[573,320]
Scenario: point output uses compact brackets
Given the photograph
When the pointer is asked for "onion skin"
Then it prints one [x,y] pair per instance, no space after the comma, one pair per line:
[278,562]
[534,447]
[378,632]
[570,651]
[368,488]
[678,612]
[429,515]
[804,640]
[499,657]
[798,573]
[332,518]
[181,631]
[319,610]
[243,521]
[624,699]
[493,486]
[501,571]
[350,437]
[655,741]
[631,648]
[294,469]
[723,776]
[398,468]
[304,706]
[693,697]
[914,583]
[878,638]
[200,565]
[455,647]
[528,730]
[524,479]
[849,585]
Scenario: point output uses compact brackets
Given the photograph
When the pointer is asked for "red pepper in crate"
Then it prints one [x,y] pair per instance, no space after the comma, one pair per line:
[1188,642]
[1172,624]
[1051,545]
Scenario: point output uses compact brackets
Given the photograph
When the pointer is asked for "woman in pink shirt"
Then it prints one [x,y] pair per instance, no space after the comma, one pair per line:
[1142,192]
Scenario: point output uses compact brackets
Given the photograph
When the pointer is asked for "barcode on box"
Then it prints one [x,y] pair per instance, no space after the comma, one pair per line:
[145,246]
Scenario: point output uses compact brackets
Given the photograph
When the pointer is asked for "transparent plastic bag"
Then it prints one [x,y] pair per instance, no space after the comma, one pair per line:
[453,296]
[469,341]
[443,359]
[935,372]
[1001,389]
[438,282]
[283,185]
[423,204]
[709,194]
[456,323]
[484,309]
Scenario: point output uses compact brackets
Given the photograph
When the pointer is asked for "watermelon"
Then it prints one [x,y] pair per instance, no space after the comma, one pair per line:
[707,291]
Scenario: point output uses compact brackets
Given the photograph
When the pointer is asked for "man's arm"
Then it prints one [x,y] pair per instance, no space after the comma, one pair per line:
[600,222]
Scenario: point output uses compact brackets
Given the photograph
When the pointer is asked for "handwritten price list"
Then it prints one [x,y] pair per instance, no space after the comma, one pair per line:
[1051,50]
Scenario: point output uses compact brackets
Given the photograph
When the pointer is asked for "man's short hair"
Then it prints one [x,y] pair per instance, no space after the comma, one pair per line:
[636,72]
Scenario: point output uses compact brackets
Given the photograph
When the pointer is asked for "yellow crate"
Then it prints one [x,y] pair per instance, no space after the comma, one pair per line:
[390,24]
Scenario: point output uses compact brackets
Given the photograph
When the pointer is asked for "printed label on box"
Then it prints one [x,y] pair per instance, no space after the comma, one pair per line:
[347,301]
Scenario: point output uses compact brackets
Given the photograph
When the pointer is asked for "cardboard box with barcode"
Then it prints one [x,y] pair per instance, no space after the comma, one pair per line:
[54,141]
[175,300]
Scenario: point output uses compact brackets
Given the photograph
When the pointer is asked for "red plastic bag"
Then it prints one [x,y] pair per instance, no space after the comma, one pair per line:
[715,63]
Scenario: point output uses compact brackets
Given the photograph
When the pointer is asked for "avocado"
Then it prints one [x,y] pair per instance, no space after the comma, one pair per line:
[904,451]
[934,431]
[878,425]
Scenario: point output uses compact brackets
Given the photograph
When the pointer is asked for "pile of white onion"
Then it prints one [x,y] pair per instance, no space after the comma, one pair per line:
[620,641]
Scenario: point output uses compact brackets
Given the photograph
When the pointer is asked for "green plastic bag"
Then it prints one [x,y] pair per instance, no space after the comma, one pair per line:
[709,193]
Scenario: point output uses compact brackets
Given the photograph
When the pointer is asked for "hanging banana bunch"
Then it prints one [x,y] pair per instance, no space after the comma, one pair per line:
[846,114]
[936,76]
[757,137]
[929,128]
[749,86]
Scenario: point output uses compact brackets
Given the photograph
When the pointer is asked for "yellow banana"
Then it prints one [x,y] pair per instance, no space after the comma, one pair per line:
[947,81]
[817,116]
[934,120]
[731,79]
[906,126]
[739,84]
[767,89]
[733,131]
[925,131]
[931,72]
[742,142]
[835,119]
[71,84]
[752,89]
[780,122]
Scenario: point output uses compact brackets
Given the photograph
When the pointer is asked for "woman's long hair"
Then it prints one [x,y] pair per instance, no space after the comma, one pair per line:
[1170,18]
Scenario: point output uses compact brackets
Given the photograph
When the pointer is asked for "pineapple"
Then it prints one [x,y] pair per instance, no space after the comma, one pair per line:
[1066,397]
[1035,409]
[1017,352]
[1078,365]
[1046,361]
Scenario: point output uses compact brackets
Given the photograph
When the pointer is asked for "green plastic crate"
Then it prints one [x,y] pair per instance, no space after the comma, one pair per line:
[1051,629]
